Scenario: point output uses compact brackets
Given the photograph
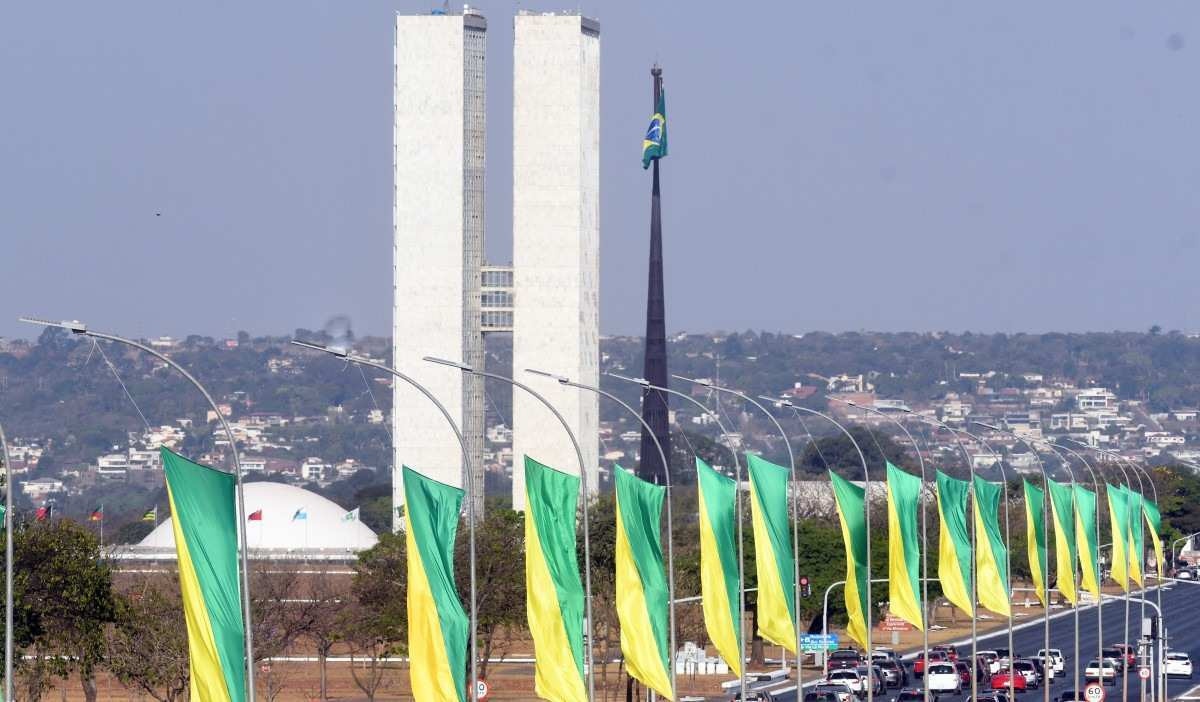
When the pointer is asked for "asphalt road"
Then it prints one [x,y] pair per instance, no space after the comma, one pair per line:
[1181,607]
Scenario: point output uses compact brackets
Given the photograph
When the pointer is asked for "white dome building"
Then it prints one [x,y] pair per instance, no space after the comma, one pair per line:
[295,524]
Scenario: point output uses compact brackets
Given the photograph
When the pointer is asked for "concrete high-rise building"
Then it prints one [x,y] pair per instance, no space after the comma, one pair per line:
[439,142]
[556,235]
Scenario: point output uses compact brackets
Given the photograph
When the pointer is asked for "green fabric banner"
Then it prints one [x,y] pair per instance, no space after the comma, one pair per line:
[904,545]
[1035,533]
[1062,509]
[850,500]
[991,555]
[954,549]
[775,566]
[1085,540]
[204,522]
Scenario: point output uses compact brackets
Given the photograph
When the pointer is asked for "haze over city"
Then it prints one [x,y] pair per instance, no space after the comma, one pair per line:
[918,167]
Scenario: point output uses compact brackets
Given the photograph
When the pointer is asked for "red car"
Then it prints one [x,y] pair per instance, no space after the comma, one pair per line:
[1000,681]
[919,664]
[964,672]
[950,651]
[1128,652]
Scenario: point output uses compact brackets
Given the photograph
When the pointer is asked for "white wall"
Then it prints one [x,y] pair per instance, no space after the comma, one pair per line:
[556,234]
[428,241]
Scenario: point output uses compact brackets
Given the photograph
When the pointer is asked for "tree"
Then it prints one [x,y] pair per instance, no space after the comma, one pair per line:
[319,620]
[148,648]
[63,600]
[500,572]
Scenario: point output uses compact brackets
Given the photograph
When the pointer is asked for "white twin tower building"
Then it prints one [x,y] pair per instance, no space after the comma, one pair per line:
[446,297]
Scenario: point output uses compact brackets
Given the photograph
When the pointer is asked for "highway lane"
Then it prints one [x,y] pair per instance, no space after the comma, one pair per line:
[1181,605]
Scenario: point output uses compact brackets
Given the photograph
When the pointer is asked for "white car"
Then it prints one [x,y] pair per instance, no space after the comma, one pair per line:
[1177,665]
[943,677]
[1057,663]
[1106,673]
[848,677]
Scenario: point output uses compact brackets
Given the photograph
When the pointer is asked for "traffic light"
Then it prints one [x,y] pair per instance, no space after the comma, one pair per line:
[805,586]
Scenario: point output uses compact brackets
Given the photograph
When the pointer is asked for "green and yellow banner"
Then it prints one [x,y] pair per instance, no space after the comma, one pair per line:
[719,593]
[774,563]
[991,555]
[1035,534]
[1085,540]
[1154,521]
[554,592]
[1137,537]
[954,547]
[1062,510]
[641,584]
[437,625]
[1118,519]
[904,546]
[204,523]
[850,502]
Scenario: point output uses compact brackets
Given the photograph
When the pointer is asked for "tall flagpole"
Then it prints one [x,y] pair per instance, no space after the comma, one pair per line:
[654,365]
[8,569]
[76,327]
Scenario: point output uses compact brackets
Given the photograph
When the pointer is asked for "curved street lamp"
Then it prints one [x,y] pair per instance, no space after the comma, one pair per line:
[738,505]
[924,531]
[8,569]
[797,409]
[81,329]
[471,516]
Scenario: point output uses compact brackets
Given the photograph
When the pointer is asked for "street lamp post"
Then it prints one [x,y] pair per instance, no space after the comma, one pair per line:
[1096,564]
[8,569]
[471,516]
[670,521]
[795,514]
[973,569]
[797,409]
[738,505]
[1046,538]
[585,496]
[924,534]
[79,328]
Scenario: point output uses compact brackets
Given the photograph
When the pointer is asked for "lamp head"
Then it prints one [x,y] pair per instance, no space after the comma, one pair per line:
[73,325]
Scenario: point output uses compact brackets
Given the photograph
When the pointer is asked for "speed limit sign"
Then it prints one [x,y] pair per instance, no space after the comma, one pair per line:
[1144,673]
[1094,692]
[481,689]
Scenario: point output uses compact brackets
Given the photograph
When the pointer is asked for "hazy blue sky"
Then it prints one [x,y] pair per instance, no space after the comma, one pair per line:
[891,166]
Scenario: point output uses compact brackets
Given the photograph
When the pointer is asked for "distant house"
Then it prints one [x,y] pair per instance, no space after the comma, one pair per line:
[39,488]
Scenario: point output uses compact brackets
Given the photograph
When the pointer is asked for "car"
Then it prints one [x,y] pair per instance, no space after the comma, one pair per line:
[950,651]
[821,696]
[964,672]
[1029,669]
[848,677]
[942,677]
[993,697]
[841,692]
[934,657]
[1177,664]
[843,658]
[1128,653]
[1116,655]
[894,673]
[1057,663]
[1072,696]
[883,653]
[913,695]
[991,659]
[1105,671]
[1006,677]
[876,676]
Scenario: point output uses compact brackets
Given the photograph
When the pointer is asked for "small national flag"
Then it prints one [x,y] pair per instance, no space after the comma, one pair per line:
[300,515]
[654,146]
[97,514]
[42,514]
[351,516]
[255,516]
[151,515]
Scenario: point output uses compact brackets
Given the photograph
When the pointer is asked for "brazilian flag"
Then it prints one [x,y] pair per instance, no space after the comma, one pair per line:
[654,146]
